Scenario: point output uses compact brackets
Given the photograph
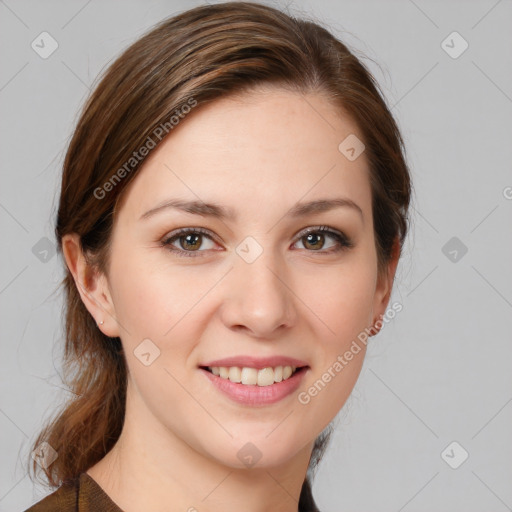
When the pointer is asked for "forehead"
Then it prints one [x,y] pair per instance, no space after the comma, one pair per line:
[253,151]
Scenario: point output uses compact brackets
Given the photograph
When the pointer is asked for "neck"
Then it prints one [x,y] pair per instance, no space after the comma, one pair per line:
[152,468]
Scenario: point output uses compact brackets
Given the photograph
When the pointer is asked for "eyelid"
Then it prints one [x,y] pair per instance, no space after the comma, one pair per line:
[207,232]
[321,229]
[185,231]
[344,242]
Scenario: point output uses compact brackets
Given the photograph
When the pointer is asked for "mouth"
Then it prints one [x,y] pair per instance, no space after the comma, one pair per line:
[251,391]
[248,376]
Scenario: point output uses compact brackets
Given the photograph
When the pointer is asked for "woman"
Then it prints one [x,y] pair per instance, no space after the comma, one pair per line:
[233,206]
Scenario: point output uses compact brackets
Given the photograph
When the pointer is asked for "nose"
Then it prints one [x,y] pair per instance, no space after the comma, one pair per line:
[258,297]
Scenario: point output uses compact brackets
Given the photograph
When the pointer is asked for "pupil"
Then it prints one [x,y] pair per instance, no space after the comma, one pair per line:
[309,238]
[312,235]
[187,237]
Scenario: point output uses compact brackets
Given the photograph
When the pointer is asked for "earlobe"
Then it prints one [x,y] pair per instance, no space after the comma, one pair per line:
[91,284]
[384,288]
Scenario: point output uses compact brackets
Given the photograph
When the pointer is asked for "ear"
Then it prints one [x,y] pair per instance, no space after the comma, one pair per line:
[384,288]
[92,286]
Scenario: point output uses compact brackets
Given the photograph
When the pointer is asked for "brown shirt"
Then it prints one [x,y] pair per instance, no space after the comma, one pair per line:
[82,495]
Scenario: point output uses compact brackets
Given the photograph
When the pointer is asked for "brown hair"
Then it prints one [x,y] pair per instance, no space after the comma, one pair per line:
[199,55]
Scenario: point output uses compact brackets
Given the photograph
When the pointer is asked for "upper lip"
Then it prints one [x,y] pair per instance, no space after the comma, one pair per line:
[256,362]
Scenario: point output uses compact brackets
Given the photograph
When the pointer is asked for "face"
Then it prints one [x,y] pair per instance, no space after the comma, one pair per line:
[260,282]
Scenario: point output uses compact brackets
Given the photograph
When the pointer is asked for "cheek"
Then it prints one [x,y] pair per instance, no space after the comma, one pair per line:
[151,295]
[342,302]
[140,302]
[340,297]
[327,391]
[164,303]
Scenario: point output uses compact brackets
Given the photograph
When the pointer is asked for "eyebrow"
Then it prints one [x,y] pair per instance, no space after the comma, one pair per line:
[218,211]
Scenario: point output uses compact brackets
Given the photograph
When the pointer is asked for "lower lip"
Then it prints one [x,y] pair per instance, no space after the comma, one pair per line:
[257,395]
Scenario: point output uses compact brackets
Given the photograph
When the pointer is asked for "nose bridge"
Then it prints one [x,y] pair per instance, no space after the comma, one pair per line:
[260,299]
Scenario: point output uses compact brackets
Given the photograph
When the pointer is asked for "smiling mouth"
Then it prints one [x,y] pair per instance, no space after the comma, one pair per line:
[255,377]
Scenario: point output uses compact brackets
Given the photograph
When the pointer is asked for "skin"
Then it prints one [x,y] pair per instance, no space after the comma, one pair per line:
[259,154]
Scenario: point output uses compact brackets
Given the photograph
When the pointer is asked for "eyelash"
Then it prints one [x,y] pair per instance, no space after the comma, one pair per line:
[343,241]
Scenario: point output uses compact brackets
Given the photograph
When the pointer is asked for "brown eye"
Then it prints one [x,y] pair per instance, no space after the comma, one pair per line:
[189,239]
[315,239]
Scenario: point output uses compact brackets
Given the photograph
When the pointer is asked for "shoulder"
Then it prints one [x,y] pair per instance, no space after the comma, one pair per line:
[64,499]
[83,494]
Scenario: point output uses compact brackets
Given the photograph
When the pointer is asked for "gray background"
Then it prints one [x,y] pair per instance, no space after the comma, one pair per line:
[439,372]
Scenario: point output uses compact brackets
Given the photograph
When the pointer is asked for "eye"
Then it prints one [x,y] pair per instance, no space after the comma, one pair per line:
[315,237]
[191,239]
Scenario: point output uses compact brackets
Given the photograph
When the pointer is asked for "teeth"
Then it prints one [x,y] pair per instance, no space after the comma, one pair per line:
[235,374]
[252,376]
